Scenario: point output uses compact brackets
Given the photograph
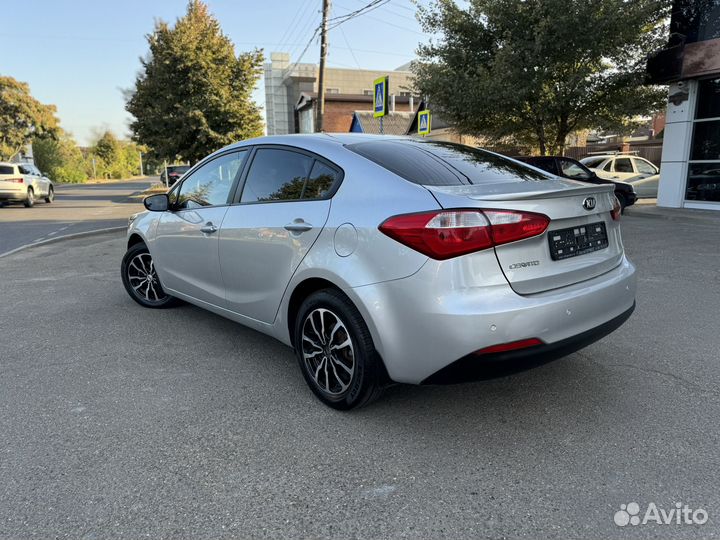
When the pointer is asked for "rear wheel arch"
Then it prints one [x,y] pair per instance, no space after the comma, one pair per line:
[309,286]
[300,293]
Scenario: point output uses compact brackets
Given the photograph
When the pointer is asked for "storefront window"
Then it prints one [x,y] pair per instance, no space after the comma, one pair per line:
[703,182]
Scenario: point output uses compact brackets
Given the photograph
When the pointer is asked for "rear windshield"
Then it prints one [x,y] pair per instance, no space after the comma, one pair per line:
[444,164]
[7,169]
[592,162]
[179,168]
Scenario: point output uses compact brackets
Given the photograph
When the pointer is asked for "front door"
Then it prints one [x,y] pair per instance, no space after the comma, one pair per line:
[284,205]
[186,242]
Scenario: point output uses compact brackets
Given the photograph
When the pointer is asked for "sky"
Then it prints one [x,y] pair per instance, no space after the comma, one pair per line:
[80,54]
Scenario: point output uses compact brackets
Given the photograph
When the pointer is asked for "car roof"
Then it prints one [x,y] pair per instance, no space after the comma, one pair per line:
[7,163]
[304,138]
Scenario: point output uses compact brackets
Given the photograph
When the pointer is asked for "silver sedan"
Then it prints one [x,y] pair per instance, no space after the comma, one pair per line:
[382,259]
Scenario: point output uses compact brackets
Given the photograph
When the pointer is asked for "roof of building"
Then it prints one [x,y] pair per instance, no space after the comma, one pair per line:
[394,123]
[306,99]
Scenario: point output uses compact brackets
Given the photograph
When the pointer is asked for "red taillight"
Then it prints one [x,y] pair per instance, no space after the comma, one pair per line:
[512,346]
[616,211]
[443,234]
[13,180]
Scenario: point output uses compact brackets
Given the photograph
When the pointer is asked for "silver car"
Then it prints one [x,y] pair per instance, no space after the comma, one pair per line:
[383,259]
[24,183]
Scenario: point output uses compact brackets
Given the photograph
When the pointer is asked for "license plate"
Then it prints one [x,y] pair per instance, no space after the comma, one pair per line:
[574,241]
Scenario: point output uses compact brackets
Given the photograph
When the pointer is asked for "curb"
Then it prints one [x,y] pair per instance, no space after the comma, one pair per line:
[65,237]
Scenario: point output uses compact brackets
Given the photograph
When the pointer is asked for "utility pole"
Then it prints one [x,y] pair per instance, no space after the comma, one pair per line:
[321,75]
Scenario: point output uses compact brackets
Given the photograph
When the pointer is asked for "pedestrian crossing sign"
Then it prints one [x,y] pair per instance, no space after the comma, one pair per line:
[380,97]
[423,122]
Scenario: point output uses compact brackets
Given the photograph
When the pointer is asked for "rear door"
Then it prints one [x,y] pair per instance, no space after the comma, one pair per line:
[283,206]
[623,169]
[186,242]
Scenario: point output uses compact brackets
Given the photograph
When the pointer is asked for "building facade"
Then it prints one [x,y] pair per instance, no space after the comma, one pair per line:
[690,167]
[287,82]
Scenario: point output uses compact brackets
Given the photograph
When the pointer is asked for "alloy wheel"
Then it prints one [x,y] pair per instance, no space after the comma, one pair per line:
[143,278]
[328,351]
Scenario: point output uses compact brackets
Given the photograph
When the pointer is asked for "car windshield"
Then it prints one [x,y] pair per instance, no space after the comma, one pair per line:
[445,164]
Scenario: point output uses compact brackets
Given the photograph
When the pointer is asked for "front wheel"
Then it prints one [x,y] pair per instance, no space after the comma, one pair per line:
[141,280]
[336,352]
[30,198]
[50,196]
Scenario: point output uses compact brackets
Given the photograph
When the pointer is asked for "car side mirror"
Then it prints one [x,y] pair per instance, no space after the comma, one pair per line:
[157,203]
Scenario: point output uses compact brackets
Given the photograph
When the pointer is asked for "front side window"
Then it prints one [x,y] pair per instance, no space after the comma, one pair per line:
[573,170]
[276,175]
[623,165]
[210,185]
[25,169]
[644,167]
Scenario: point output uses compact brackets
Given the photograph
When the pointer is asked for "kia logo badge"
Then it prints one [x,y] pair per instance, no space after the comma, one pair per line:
[589,203]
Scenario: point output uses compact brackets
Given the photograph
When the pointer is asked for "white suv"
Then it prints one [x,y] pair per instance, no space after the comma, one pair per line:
[637,171]
[23,182]
[620,167]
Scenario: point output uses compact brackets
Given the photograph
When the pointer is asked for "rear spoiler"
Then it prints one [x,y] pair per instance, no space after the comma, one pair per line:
[547,194]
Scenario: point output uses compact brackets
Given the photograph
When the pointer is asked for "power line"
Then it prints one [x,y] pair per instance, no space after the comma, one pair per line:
[337,21]
[352,53]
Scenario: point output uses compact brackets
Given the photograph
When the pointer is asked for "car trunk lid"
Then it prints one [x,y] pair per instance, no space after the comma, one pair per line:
[581,242]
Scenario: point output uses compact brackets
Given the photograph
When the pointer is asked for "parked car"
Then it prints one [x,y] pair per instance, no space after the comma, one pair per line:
[643,175]
[573,169]
[386,258]
[174,173]
[24,183]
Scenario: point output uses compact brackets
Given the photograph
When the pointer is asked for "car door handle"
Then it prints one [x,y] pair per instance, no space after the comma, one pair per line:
[298,225]
[208,228]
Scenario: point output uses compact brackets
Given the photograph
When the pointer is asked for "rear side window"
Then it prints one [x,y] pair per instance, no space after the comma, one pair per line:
[444,164]
[7,169]
[276,175]
[283,175]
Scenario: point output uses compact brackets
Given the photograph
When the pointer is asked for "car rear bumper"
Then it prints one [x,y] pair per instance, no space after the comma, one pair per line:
[15,195]
[478,367]
[426,322]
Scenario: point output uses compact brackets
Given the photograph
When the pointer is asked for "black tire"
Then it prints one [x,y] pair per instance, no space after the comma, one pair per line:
[623,202]
[368,377]
[50,196]
[30,200]
[141,281]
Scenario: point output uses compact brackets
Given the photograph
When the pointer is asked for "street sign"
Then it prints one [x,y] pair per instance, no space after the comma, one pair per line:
[424,122]
[380,97]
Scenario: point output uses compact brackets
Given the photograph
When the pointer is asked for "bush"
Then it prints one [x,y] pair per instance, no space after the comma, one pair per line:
[61,159]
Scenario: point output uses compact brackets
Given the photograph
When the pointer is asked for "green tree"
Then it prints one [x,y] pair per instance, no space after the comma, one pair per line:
[22,117]
[536,70]
[193,94]
[107,148]
[60,158]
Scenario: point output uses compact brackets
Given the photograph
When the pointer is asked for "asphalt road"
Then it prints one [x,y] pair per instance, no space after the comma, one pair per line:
[122,422]
[77,208]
